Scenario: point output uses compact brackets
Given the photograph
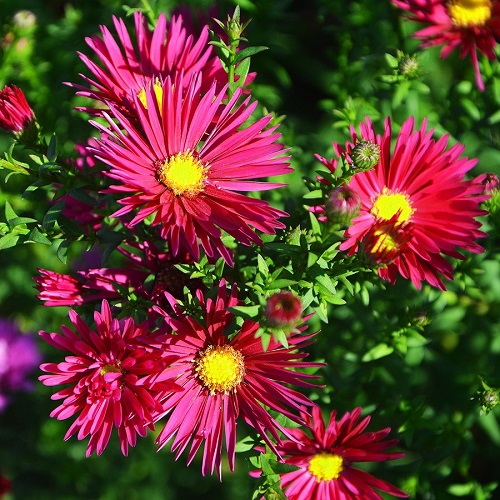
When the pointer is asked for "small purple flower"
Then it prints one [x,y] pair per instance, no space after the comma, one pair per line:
[18,357]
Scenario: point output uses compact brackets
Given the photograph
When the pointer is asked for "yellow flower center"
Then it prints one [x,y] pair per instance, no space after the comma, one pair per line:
[183,173]
[467,13]
[383,243]
[220,368]
[326,466]
[158,92]
[110,368]
[388,204]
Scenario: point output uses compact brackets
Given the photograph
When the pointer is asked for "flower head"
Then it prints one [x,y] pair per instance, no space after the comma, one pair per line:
[326,457]
[469,25]
[127,69]
[416,206]
[112,376]
[186,168]
[16,116]
[342,204]
[19,356]
[228,377]
[283,309]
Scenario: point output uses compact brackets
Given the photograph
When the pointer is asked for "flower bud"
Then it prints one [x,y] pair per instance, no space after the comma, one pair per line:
[408,66]
[16,116]
[342,205]
[365,155]
[283,310]
[490,182]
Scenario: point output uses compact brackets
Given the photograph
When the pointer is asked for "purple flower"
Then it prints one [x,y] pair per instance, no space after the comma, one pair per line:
[18,357]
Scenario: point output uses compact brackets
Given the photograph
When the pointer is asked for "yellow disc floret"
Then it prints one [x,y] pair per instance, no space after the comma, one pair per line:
[388,204]
[183,173]
[114,368]
[158,92]
[326,466]
[220,369]
[467,13]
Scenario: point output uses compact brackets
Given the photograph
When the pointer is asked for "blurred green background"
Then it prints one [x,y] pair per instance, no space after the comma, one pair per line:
[326,67]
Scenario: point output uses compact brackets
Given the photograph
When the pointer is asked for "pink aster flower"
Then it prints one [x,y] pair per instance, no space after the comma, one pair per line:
[416,206]
[126,68]
[16,116]
[19,356]
[187,164]
[466,25]
[142,260]
[326,457]
[113,379]
[225,377]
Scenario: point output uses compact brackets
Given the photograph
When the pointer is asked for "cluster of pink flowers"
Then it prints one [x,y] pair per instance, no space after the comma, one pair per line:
[178,152]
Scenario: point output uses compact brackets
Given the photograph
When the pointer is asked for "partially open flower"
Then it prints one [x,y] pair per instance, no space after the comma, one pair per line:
[16,116]
[283,309]
[342,205]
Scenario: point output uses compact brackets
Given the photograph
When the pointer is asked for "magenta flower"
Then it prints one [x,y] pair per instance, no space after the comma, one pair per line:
[466,25]
[283,309]
[185,162]
[90,285]
[416,206]
[16,116]
[113,377]
[226,377]
[126,68]
[326,459]
[19,356]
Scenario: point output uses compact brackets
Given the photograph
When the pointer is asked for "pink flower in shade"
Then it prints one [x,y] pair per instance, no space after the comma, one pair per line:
[225,378]
[416,206]
[113,376]
[326,457]
[187,164]
[466,25]
[126,68]
[58,289]
[283,309]
[90,285]
[16,116]
[5,484]
[19,356]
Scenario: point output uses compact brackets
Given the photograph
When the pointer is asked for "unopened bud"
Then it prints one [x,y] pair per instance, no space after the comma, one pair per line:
[365,155]
[283,310]
[408,66]
[342,205]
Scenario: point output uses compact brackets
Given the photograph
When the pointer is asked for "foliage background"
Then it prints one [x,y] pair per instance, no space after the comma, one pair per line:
[325,69]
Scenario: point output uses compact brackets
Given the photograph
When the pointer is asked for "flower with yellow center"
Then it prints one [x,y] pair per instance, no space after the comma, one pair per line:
[220,368]
[326,466]
[183,174]
[388,204]
[468,13]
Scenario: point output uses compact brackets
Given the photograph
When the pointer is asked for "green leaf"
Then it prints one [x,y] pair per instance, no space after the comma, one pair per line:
[36,236]
[377,352]
[52,215]
[248,52]
[262,266]
[245,311]
[17,221]
[15,166]
[281,468]
[9,212]
[9,240]
[280,284]
[62,250]
[51,149]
